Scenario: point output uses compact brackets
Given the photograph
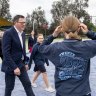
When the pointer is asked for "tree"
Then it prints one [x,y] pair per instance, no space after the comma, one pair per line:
[37,21]
[4,9]
[28,28]
[60,9]
[77,8]
[68,7]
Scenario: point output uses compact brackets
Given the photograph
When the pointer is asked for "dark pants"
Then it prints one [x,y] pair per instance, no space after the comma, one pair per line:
[83,95]
[10,82]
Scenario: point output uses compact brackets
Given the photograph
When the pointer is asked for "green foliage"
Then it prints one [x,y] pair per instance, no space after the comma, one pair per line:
[36,21]
[4,9]
[68,7]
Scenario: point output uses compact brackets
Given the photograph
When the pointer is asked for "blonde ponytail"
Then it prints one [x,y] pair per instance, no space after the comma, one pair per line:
[70,25]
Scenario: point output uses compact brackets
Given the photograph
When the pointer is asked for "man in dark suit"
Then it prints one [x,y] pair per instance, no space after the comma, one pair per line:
[14,57]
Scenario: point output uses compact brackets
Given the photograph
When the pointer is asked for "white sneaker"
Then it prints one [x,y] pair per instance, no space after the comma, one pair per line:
[34,84]
[50,89]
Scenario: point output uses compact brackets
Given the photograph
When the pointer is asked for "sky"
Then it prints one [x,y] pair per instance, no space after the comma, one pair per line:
[27,6]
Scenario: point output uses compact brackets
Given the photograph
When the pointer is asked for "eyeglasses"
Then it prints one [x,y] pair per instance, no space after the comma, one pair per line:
[21,22]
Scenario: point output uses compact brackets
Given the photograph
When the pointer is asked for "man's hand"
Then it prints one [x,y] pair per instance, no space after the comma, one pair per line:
[27,67]
[84,28]
[57,31]
[17,71]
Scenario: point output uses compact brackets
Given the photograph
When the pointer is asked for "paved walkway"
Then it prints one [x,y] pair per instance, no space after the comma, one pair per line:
[39,91]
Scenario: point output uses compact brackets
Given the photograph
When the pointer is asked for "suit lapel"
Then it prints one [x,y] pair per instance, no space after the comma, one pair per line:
[17,37]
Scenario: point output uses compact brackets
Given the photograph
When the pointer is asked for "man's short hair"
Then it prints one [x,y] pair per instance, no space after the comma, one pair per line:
[16,18]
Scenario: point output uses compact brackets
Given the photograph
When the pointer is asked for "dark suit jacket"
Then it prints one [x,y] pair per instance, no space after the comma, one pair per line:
[12,50]
[1,49]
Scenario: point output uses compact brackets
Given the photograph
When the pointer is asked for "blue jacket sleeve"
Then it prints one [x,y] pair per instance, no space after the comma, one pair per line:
[45,47]
[48,40]
[35,48]
[91,35]
[91,44]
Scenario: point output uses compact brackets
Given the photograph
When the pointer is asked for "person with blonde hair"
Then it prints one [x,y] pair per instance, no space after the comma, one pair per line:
[71,57]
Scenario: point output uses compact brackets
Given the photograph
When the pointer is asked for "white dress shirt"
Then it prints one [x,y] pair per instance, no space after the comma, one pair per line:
[21,40]
[20,36]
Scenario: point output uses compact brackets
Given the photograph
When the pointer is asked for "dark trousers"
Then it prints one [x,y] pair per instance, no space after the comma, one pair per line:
[83,95]
[10,82]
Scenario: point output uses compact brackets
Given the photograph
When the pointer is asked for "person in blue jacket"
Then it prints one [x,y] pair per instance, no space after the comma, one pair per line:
[39,60]
[71,57]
